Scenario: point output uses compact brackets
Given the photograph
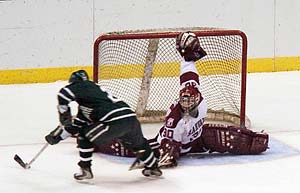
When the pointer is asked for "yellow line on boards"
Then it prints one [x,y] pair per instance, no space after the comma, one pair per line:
[273,64]
[171,69]
[39,75]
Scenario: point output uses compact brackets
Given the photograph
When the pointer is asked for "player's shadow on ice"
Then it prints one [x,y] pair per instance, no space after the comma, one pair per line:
[126,184]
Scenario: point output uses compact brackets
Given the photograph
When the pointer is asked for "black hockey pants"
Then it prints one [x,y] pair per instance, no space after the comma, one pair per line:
[128,130]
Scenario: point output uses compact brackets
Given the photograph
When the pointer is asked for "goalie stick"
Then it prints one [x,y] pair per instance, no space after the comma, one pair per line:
[28,165]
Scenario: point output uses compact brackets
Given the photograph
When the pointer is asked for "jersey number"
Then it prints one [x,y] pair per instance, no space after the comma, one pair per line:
[168,133]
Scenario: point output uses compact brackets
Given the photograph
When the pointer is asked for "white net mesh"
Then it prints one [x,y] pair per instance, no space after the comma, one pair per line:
[144,65]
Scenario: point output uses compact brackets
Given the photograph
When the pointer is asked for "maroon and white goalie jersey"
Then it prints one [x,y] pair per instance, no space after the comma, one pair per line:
[180,130]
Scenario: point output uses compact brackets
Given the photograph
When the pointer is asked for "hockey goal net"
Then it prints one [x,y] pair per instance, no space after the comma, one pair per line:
[142,68]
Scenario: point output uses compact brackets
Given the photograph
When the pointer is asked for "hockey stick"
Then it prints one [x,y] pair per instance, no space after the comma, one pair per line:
[28,165]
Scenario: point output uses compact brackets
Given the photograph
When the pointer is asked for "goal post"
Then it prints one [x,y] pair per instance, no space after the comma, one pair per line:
[142,68]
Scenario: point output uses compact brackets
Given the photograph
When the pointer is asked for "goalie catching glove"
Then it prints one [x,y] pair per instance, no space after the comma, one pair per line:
[188,45]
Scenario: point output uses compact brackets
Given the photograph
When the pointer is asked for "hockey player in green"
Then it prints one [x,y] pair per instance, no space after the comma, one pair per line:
[100,119]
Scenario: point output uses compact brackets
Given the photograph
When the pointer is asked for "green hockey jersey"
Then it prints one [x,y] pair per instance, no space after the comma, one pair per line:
[94,103]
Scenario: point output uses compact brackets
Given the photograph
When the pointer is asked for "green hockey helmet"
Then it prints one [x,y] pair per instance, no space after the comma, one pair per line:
[80,75]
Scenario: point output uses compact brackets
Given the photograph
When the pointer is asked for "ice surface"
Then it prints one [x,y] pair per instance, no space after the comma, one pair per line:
[28,113]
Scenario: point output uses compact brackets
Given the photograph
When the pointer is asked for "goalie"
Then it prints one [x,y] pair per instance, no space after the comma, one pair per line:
[184,130]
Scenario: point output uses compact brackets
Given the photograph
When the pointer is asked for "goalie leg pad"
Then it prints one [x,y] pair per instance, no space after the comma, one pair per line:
[259,143]
[234,140]
[115,147]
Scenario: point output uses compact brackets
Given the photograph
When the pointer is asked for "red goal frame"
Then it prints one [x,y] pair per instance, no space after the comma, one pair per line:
[152,35]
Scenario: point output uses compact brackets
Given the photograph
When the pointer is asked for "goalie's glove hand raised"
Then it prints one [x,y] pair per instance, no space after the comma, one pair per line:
[188,46]
[54,136]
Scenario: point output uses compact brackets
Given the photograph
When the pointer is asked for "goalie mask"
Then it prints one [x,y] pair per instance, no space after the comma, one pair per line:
[189,99]
[80,75]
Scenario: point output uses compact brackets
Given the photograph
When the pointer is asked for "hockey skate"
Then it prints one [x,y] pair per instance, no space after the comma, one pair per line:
[136,165]
[153,171]
[84,174]
[137,162]
[147,171]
